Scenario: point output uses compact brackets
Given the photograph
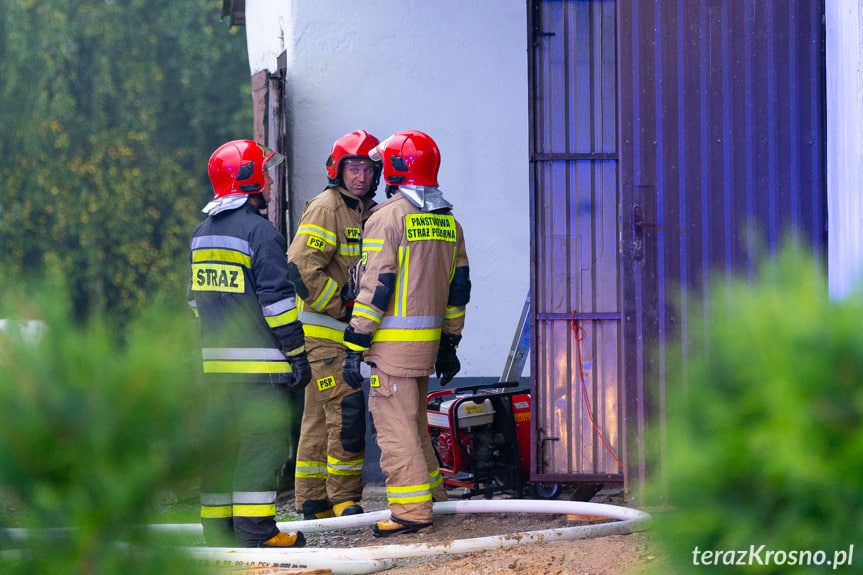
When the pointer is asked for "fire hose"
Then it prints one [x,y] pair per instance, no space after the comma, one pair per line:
[628,521]
[376,558]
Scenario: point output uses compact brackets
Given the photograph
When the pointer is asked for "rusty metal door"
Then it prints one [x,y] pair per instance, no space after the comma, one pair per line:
[575,315]
[269,129]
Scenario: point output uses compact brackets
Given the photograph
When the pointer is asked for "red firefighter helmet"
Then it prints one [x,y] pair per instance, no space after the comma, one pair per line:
[411,158]
[357,144]
[238,167]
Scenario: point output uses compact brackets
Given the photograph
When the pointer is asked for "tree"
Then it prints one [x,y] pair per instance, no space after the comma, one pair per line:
[110,112]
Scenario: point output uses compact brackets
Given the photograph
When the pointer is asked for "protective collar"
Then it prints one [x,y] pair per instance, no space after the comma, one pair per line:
[426,198]
[224,204]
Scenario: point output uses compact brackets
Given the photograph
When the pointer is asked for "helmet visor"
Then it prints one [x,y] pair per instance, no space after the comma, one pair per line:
[273,159]
[377,153]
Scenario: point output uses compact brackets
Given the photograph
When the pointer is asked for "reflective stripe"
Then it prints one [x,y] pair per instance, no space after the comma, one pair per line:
[217,511]
[248,353]
[244,360]
[247,367]
[354,347]
[349,250]
[401,295]
[435,478]
[337,467]
[280,306]
[409,494]
[216,505]
[296,351]
[368,312]
[284,319]
[281,313]
[254,503]
[326,333]
[254,497]
[223,242]
[323,320]
[370,245]
[264,510]
[319,232]
[313,469]
[322,326]
[407,334]
[217,255]
[413,322]
[326,295]
[396,489]
[453,312]
[404,500]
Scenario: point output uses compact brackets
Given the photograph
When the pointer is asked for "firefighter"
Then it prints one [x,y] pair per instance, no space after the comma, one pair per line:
[252,346]
[407,322]
[322,259]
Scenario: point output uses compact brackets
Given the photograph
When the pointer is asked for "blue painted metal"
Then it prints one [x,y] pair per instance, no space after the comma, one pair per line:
[674,142]
[722,143]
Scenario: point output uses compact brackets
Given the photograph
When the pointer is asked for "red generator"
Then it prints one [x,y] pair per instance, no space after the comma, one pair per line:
[481,437]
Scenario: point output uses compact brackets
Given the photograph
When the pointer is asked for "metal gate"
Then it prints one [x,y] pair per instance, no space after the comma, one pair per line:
[722,156]
[575,357]
[670,141]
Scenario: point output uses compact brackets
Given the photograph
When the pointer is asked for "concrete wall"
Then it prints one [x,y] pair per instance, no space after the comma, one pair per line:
[456,70]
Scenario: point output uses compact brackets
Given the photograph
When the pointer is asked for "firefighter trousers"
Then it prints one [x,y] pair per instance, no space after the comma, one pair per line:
[244,446]
[398,407]
[331,452]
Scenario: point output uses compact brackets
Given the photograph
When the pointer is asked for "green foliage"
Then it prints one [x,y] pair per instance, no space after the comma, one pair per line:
[110,112]
[765,444]
[92,430]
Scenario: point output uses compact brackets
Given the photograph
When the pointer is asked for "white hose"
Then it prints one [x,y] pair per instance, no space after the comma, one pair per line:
[287,559]
[379,557]
[630,520]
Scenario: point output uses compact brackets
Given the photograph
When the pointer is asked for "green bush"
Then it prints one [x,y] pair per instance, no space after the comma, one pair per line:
[765,438]
[94,426]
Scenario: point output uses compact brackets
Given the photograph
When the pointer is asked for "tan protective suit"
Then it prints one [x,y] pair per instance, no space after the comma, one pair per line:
[331,450]
[414,284]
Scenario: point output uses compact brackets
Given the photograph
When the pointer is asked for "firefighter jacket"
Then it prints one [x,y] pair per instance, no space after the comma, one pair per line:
[320,260]
[414,284]
[243,298]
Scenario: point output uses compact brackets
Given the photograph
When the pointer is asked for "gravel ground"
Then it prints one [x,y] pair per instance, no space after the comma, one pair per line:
[617,554]
[634,554]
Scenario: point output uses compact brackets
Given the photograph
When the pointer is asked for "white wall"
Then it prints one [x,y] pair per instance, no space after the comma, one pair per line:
[454,69]
[844,25]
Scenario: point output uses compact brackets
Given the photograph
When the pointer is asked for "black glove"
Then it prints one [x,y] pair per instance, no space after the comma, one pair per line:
[351,368]
[447,365]
[347,294]
[302,371]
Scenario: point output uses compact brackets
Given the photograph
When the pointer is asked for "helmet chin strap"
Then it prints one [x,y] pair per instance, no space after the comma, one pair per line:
[257,201]
[426,198]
